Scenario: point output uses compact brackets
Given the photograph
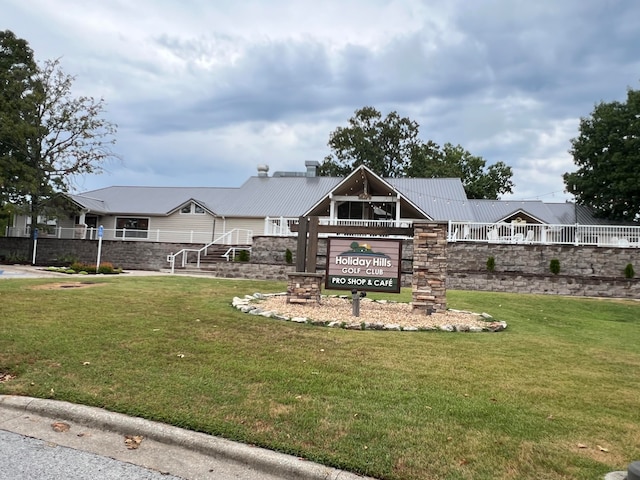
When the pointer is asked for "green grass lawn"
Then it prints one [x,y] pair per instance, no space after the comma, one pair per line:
[555,396]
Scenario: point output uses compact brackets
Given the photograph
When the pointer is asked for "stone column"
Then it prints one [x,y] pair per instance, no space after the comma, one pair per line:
[304,287]
[429,267]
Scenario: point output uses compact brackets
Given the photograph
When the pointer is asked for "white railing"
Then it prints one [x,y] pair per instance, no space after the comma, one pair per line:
[568,234]
[367,223]
[526,233]
[237,236]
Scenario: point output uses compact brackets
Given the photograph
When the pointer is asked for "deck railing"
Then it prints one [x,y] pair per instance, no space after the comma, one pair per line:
[621,236]
[527,233]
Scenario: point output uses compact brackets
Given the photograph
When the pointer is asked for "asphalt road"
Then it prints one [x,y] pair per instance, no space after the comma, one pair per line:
[25,458]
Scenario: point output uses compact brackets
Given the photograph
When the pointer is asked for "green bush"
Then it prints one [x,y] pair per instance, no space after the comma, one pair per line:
[629,272]
[554,266]
[106,268]
[66,259]
[242,256]
[491,264]
[288,257]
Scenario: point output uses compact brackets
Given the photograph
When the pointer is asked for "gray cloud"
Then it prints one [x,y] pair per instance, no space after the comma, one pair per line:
[205,92]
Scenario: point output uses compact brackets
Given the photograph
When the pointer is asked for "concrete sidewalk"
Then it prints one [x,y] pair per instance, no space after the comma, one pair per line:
[164,448]
[29,271]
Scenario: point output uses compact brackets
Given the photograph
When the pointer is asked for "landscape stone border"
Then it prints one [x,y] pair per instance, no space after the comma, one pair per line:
[250,304]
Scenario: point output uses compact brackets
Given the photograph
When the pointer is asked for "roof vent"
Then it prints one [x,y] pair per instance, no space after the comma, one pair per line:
[312,168]
[263,170]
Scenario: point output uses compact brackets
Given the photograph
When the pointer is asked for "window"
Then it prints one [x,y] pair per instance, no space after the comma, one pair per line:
[132,227]
[192,208]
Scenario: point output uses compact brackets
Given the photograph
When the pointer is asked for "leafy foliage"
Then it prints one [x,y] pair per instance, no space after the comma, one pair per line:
[629,272]
[391,147]
[491,264]
[47,136]
[554,266]
[607,154]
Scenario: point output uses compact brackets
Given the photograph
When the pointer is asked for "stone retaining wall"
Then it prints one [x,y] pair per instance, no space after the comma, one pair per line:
[596,271]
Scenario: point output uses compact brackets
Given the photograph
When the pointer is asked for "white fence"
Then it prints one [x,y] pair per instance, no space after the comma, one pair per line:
[234,237]
[593,235]
[515,233]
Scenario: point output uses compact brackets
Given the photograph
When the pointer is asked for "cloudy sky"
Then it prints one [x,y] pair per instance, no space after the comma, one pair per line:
[203,91]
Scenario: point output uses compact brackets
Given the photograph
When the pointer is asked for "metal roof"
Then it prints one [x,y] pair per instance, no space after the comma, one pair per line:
[261,196]
[441,198]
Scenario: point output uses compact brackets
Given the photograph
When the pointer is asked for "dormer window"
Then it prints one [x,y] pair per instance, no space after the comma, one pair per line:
[192,209]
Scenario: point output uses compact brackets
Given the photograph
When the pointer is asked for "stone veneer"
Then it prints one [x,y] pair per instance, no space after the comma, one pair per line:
[304,287]
[585,270]
[429,267]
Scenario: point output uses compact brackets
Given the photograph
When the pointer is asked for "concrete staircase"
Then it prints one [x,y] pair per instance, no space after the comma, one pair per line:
[215,254]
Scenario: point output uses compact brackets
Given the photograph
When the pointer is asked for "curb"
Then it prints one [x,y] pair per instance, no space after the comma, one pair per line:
[267,461]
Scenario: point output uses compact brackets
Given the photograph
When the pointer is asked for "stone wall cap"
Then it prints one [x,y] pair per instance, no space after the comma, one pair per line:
[306,274]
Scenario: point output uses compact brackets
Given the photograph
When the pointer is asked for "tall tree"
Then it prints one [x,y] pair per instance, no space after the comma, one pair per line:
[607,154]
[18,116]
[51,136]
[383,145]
[479,181]
[391,147]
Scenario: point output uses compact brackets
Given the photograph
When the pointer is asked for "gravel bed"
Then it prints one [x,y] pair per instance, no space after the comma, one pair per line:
[378,315]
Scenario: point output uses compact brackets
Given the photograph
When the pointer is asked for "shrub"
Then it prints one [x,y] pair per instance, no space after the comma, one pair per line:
[288,257]
[629,272]
[554,266]
[242,256]
[66,259]
[491,264]
[106,267]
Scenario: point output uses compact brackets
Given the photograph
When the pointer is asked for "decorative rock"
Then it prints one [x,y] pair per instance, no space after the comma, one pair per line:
[353,326]
[373,326]
[239,301]
[496,326]
[247,305]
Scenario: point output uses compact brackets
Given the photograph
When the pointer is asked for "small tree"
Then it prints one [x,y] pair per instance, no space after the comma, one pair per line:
[491,264]
[554,266]
[629,272]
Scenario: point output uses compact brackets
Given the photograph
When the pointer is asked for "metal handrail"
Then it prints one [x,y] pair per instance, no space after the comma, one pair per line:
[184,252]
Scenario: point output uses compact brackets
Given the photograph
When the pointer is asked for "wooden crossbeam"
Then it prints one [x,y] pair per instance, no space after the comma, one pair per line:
[360,230]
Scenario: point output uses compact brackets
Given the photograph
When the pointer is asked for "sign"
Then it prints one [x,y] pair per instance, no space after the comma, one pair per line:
[100,231]
[363,264]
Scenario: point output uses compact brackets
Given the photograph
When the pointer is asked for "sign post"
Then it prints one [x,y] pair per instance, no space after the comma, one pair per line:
[35,245]
[100,235]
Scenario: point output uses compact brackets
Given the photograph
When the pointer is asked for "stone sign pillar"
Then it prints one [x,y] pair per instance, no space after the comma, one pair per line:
[429,267]
[304,287]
